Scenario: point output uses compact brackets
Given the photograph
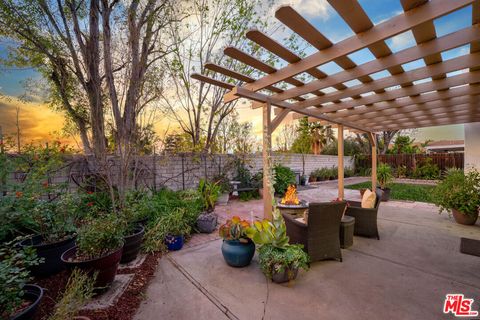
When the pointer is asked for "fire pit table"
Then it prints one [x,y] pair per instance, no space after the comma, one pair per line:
[291,204]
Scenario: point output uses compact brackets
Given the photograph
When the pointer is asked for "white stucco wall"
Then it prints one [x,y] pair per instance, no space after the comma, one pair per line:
[472,145]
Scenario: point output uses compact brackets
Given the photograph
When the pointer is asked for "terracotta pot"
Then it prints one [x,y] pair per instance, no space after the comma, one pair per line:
[465,219]
[106,266]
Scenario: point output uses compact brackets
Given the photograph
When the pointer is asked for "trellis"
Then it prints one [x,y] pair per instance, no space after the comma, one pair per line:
[367,107]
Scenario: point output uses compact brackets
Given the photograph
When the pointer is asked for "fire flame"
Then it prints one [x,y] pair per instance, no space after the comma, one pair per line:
[290,196]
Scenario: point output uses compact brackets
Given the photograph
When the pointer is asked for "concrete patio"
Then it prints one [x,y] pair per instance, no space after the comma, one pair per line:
[405,275]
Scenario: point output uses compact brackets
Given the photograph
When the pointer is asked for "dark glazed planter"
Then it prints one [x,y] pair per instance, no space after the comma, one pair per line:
[174,243]
[34,294]
[238,254]
[207,222]
[51,254]
[385,194]
[285,276]
[106,266]
[132,244]
[465,219]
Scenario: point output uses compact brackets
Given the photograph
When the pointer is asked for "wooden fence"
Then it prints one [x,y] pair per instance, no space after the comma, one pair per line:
[411,161]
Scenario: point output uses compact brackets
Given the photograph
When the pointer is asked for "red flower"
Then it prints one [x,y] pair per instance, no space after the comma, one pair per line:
[18,194]
[45,184]
[90,204]
[89,192]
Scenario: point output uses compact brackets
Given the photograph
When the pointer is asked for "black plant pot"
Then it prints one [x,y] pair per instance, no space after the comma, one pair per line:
[105,266]
[51,253]
[143,221]
[34,294]
[207,222]
[385,194]
[132,244]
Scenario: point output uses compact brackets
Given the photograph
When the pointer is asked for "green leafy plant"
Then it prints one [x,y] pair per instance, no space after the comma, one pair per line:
[209,193]
[14,274]
[426,169]
[459,191]
[249,195]
[277,260]
[384,175]
[235,229]
[175,223]
[100,236]
[283,178]
[79,290]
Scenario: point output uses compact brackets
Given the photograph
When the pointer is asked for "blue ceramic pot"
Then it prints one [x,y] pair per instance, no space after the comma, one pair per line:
[238,254]
[174,243]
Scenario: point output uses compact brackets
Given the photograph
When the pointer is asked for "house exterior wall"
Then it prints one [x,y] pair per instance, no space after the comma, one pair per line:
[472,145]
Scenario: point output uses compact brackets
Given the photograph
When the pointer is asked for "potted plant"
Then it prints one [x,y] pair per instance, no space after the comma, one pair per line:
[282,264]
[134,233]
[209,192]
[237,248]
[279,260]
[99,249]
[177,227]
[460,193]
[54,228]
[384,178]
[18,300]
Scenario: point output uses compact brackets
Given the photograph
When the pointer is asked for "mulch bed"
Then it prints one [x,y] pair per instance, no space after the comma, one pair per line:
[126,305]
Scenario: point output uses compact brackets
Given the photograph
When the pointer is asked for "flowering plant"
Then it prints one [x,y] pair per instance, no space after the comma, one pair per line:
[235,229]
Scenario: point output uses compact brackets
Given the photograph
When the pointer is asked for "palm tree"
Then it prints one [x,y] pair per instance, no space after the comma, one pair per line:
[320,135]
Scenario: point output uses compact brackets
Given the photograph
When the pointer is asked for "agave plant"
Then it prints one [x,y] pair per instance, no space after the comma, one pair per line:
[269,232]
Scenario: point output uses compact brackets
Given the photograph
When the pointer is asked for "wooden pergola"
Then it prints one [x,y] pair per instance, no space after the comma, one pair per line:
[389,103]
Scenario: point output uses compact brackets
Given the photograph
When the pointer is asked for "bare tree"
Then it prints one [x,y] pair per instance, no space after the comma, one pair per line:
[197,107]
[286,136]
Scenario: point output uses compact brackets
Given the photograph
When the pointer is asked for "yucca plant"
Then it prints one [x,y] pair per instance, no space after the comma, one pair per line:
[384,175]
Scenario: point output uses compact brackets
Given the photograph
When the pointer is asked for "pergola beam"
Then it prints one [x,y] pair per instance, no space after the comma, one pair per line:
[459,63]
[431,123]
[259,97]
[396,25]
[447,42]
[404,102]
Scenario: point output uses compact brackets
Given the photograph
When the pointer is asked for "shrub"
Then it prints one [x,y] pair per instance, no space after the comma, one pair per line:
[248,195]
[401,171]
[209,193]
[348,172]
[283,178]
[166,201]
[427,170]
[100,236]
[459,191]
[174,223]
[384,175]
[14,274]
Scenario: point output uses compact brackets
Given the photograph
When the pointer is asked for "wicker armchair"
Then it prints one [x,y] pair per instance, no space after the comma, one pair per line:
[365,219]
[321,236]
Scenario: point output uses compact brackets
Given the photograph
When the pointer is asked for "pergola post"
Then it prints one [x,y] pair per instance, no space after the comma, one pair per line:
[373,142]
[341,191]
[267,153]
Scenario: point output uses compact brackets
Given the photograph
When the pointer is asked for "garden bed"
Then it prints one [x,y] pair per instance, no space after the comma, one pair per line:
[402,191]
[124,308]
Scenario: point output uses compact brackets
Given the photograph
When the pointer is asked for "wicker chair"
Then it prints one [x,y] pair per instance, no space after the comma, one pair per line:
[321,236]
[365,219]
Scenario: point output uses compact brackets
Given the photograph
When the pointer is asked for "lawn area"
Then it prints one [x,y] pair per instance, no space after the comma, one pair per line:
[402,191]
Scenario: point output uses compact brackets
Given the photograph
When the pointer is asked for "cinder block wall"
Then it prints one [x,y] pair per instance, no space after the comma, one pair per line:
[184,171]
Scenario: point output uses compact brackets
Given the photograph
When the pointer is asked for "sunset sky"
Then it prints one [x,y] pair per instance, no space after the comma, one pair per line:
[38,122]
